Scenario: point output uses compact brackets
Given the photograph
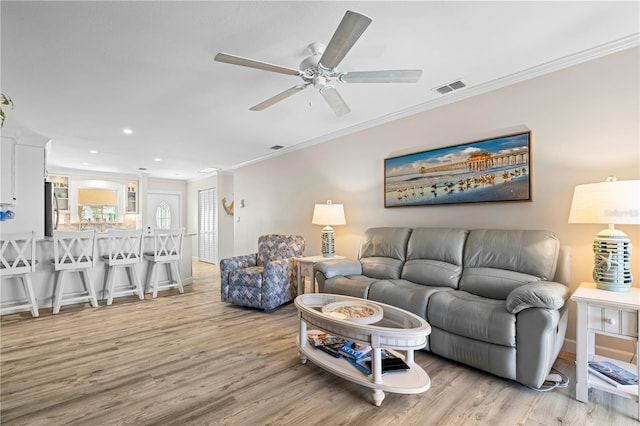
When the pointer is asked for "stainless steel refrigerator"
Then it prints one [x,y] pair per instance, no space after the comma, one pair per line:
[51,214]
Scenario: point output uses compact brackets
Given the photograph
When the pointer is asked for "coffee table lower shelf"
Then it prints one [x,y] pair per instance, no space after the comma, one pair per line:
[412,381]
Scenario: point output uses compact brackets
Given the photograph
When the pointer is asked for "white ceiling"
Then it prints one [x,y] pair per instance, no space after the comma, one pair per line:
[81,72]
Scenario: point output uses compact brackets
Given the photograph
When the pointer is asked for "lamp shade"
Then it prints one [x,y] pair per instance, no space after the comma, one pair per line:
[328,214]
[610,202]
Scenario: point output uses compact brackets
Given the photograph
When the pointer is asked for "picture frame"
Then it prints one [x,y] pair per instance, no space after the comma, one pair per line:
[488,170]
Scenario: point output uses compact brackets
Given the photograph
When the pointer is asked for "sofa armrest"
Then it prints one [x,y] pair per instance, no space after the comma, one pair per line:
[544,294]
[339,267]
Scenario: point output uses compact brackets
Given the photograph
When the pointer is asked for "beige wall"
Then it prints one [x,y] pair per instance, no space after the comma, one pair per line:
[585,126]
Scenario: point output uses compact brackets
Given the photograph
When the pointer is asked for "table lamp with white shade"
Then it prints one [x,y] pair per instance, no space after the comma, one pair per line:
[613,202]
[328,214]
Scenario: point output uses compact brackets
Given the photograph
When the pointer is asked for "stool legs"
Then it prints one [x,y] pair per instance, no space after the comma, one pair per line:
[57,292]
[133,278]
[134,283]
[30,302]
[173,275]
[58,298]
[31,296]
[89,288]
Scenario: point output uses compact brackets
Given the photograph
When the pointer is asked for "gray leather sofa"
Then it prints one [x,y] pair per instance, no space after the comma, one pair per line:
[489,295]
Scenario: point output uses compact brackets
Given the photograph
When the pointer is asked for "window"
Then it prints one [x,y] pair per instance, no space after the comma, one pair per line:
[163,216]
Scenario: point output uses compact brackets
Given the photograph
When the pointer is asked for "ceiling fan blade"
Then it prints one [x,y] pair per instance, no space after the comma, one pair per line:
[245,62]
[277,98]
[388,76]
[335,101]
[348,32]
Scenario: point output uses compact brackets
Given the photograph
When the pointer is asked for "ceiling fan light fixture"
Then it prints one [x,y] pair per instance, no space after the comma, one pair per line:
[320,82]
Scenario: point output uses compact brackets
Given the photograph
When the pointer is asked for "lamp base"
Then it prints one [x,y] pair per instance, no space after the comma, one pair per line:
[328,246]
[612,269]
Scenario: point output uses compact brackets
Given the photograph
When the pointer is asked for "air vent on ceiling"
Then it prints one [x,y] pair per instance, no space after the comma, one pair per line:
[276,147]
[450,87]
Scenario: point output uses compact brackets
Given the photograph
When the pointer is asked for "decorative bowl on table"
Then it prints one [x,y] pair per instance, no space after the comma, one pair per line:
[360,312]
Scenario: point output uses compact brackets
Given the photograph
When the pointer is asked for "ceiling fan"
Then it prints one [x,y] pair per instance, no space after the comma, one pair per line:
[320,69]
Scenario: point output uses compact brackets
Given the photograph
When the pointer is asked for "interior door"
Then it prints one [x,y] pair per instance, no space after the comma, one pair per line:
[207,226]
[164,210]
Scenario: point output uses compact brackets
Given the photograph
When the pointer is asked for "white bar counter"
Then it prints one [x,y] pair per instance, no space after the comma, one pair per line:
[43,277]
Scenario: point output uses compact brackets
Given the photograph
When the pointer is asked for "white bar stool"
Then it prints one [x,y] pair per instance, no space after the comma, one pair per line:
[125,251]
[18,260]
[73,251]
[167,250]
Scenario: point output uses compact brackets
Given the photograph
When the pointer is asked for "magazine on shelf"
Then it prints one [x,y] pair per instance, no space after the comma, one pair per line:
[320,338]
[613,374]
[326,342]
[390,363]
[355,350]
[360,366]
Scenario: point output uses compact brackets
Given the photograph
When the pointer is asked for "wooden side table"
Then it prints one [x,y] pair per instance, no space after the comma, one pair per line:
[610,313]
[306,269]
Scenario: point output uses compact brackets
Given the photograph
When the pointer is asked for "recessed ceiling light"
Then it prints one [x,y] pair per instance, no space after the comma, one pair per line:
[93,151]
[127,131]
[157,159]
[85,164]
[208,170]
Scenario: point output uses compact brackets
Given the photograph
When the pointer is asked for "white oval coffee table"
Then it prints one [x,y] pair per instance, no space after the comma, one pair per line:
[397,330]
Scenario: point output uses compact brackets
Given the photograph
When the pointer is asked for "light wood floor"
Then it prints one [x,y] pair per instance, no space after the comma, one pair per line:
[186,359]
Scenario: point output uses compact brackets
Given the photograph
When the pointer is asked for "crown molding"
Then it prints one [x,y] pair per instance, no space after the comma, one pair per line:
[539,70]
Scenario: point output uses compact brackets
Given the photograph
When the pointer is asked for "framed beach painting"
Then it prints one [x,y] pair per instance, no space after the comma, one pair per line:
[489,170]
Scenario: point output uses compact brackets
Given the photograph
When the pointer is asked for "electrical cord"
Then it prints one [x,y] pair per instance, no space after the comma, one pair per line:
[555,379]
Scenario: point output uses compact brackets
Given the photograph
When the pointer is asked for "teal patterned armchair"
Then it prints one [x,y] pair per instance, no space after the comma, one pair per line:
[266,279]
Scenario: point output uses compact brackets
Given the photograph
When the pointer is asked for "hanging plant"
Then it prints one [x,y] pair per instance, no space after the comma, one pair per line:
[6,101]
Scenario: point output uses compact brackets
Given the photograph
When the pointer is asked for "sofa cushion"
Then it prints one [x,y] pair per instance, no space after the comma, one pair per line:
[383,252]
[497,261]
[381,267]
[478,318]
[434,256]
[354,285]
[404,294]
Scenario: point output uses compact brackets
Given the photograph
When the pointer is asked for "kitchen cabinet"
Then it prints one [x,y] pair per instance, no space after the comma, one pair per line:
[61,191]
[8,162]
[132,197]
[22,171]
